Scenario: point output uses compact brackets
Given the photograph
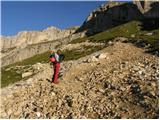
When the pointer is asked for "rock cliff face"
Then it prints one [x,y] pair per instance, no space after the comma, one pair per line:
[22,39]
[113,14]
[109,15]
[13,55]
[29,43]
[148,8]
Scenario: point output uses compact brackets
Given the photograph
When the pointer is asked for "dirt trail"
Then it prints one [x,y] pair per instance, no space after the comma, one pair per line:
[123,85]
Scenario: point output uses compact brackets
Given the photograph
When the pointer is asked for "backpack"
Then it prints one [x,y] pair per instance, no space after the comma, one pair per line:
[61,57]
[52,58]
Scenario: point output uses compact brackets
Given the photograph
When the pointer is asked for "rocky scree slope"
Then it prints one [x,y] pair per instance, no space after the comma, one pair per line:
[120,81]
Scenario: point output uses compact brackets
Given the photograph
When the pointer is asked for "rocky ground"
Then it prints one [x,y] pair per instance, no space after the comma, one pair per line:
[120,81]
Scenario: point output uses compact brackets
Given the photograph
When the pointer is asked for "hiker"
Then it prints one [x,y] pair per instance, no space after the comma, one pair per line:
[56,58]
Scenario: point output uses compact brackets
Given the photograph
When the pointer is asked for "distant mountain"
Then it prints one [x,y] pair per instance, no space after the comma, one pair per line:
[24,38]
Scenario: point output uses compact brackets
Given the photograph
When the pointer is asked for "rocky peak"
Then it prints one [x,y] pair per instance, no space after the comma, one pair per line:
[109,15]
[112,14]
[51,28]
[25,38]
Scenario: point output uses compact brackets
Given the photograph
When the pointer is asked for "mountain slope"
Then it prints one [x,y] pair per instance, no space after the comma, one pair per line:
[124,84]
[111,74]
[130,32]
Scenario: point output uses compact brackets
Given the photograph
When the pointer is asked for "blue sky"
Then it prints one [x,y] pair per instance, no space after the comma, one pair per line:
[21,16]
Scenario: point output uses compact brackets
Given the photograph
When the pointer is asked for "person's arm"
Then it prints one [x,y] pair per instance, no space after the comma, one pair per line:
[62,57]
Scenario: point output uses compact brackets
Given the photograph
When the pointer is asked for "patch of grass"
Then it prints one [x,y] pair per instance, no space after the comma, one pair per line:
[125,30]
[9,77]
[75,54]
[153,39]
[42,58]
[78,40]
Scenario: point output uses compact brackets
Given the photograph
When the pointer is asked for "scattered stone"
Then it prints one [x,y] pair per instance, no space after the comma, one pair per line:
[113,88]
[110,43]
[38,114]
[133,36]
[102,56]
[149,34]
[26,74]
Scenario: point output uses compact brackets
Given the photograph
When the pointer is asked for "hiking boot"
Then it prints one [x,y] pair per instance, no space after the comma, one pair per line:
[56,82]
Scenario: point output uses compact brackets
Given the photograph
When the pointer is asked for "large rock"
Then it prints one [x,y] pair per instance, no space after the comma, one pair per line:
[102,56]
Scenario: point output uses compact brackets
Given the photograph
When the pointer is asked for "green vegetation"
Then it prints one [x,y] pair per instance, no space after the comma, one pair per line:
[78,40]
[153,39]
[78,53]
[125,30]
[9,77]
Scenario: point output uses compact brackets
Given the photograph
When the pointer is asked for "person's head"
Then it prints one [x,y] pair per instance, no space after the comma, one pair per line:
[51,51]
[59,52]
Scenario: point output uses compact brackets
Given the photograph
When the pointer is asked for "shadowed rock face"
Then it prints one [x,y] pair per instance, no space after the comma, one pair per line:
[148,8]
[112,14]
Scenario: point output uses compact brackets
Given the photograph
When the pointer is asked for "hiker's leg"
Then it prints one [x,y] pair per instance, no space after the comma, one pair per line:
[56,73]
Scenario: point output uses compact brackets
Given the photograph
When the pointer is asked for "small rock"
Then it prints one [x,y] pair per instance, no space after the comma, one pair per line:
[153,84]
[29,80]
[53,94]
[110,43]
[26,74]
[133,35]
[140,72]
[93,59]
[8,69]
[101,90]
[38,114]
[149,34]
[102,56]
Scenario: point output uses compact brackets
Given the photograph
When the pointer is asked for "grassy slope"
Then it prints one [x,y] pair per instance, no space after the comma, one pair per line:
[125,30]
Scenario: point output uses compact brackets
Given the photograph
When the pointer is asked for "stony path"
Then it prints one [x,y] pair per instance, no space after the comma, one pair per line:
[122,85]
